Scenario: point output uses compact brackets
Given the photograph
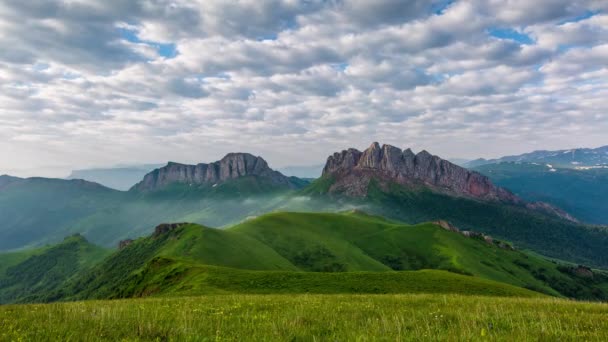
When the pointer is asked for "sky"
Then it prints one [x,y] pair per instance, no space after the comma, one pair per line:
[89,83]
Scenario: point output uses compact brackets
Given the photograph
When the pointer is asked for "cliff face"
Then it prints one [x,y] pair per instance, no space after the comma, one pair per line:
[232,166]
[353,169]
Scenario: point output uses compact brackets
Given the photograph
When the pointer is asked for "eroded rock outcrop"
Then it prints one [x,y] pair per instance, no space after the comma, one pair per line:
[353,170]
[232,166]
[124,243]
[164,228]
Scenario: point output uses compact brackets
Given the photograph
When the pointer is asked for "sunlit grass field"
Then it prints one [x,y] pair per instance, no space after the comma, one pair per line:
[308,318]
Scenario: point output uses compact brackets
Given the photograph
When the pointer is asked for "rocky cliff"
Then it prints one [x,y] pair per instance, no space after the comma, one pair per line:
[232,166]
[353,169]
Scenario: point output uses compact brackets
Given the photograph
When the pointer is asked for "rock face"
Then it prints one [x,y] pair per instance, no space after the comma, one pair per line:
[124,243]
[232,166]
[353,170]
[164,228]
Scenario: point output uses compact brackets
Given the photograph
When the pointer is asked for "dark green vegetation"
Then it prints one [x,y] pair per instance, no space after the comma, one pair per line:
[582,193]
[527,229]
[32,275]
[309,318]
[317,253]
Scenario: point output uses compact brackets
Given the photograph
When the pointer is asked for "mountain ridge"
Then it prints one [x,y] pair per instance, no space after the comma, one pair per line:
[571,158]
[231,166]
[407,168]
[352,171]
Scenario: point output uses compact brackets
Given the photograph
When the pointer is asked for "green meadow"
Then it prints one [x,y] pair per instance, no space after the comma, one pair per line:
[416,317]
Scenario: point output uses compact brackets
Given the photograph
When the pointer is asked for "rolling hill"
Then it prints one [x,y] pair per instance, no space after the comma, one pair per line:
[290,252]
[32,275]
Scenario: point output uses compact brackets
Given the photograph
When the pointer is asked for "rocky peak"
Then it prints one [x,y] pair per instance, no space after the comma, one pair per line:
[232,166]
[404,167]
[165,228]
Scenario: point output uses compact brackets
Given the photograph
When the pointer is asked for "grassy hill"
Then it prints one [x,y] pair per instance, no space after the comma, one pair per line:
[168,277]
[321,253]
[582,193]
[33,275]
[527,229]
[357,241]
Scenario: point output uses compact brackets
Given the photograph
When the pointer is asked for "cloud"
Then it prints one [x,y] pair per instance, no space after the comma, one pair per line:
[92,83]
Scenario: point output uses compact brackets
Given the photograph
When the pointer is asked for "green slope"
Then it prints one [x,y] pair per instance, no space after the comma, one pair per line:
[302,252]
[527,229]
[33,275]
[168,277]
[582,193]
[312,239]
[190,243]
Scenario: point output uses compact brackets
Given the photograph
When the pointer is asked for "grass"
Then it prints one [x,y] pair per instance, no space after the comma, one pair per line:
[46,269]
[359,242]
[308,318]
[166,277]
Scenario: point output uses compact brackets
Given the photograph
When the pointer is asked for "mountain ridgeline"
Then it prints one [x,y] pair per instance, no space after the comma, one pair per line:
[284,252]
[572,158]
[353,170]
[382,180]
[231,167]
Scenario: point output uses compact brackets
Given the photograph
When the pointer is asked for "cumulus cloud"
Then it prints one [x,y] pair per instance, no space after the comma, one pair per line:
[90,82]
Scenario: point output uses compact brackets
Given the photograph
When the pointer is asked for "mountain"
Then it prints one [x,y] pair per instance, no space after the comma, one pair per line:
[119,178]
[383,180]
[583,193]
[232,166]
[353,170]
[324,253]
[32,275]
[35,211]
[572,158]
[418,188]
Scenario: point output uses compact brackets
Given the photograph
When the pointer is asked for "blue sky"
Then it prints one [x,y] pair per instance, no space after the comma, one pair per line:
[92,83]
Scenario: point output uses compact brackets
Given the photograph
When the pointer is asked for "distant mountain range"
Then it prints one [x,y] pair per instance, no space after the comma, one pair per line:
[572,158]
[125,177]
[119,178]
[232,166]
[383,180]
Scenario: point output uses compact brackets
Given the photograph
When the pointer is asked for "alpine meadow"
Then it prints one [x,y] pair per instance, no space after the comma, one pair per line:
[304,170]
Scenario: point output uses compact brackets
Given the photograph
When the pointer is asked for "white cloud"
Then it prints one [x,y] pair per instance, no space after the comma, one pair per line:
[87,83]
